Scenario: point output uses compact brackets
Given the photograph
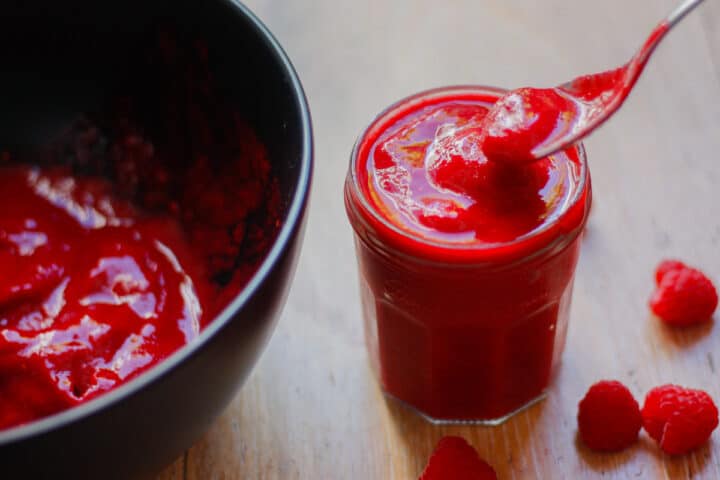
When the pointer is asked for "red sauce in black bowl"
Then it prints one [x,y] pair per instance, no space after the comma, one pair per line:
[119,242]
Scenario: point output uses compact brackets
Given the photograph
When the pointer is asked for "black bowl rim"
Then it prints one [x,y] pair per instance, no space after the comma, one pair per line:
[286,234]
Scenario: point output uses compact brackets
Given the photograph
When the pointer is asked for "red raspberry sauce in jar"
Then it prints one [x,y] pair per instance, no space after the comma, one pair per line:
[465,265]
[92,291]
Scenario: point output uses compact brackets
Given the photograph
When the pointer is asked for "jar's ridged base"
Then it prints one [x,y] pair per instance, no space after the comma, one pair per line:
[488,422]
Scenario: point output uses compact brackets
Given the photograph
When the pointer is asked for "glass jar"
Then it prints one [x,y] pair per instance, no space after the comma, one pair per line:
[463,333]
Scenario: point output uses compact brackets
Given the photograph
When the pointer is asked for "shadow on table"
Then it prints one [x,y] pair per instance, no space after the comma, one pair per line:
[608,461]
[681,336]
[685,466]
[502,446]
[676,467]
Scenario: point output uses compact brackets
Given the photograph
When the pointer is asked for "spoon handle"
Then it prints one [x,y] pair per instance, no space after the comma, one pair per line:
[638,61]
[680,11]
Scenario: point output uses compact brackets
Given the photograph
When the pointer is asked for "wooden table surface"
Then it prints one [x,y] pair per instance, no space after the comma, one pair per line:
[312,410]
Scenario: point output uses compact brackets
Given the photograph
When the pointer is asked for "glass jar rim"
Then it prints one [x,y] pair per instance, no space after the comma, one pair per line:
[449,251]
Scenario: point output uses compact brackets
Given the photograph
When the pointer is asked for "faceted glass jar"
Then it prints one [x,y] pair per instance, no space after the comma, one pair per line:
[463,333]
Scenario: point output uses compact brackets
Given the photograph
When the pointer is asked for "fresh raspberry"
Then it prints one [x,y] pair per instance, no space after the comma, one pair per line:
[609,417]
[455,459]
[679,419]
[684,295]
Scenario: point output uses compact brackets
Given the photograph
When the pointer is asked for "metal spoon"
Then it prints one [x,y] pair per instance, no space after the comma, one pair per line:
[585,102]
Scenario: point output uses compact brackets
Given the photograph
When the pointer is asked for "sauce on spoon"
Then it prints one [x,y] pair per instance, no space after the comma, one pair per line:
[528,124]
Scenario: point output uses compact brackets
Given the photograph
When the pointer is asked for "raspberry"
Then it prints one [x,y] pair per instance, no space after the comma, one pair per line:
[684,295]
[609,417]
[679,419]
[456,459]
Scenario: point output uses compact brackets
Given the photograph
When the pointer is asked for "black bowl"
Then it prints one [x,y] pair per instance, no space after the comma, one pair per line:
[60,59]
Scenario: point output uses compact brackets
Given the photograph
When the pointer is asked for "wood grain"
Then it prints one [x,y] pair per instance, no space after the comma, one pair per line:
[311,410]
